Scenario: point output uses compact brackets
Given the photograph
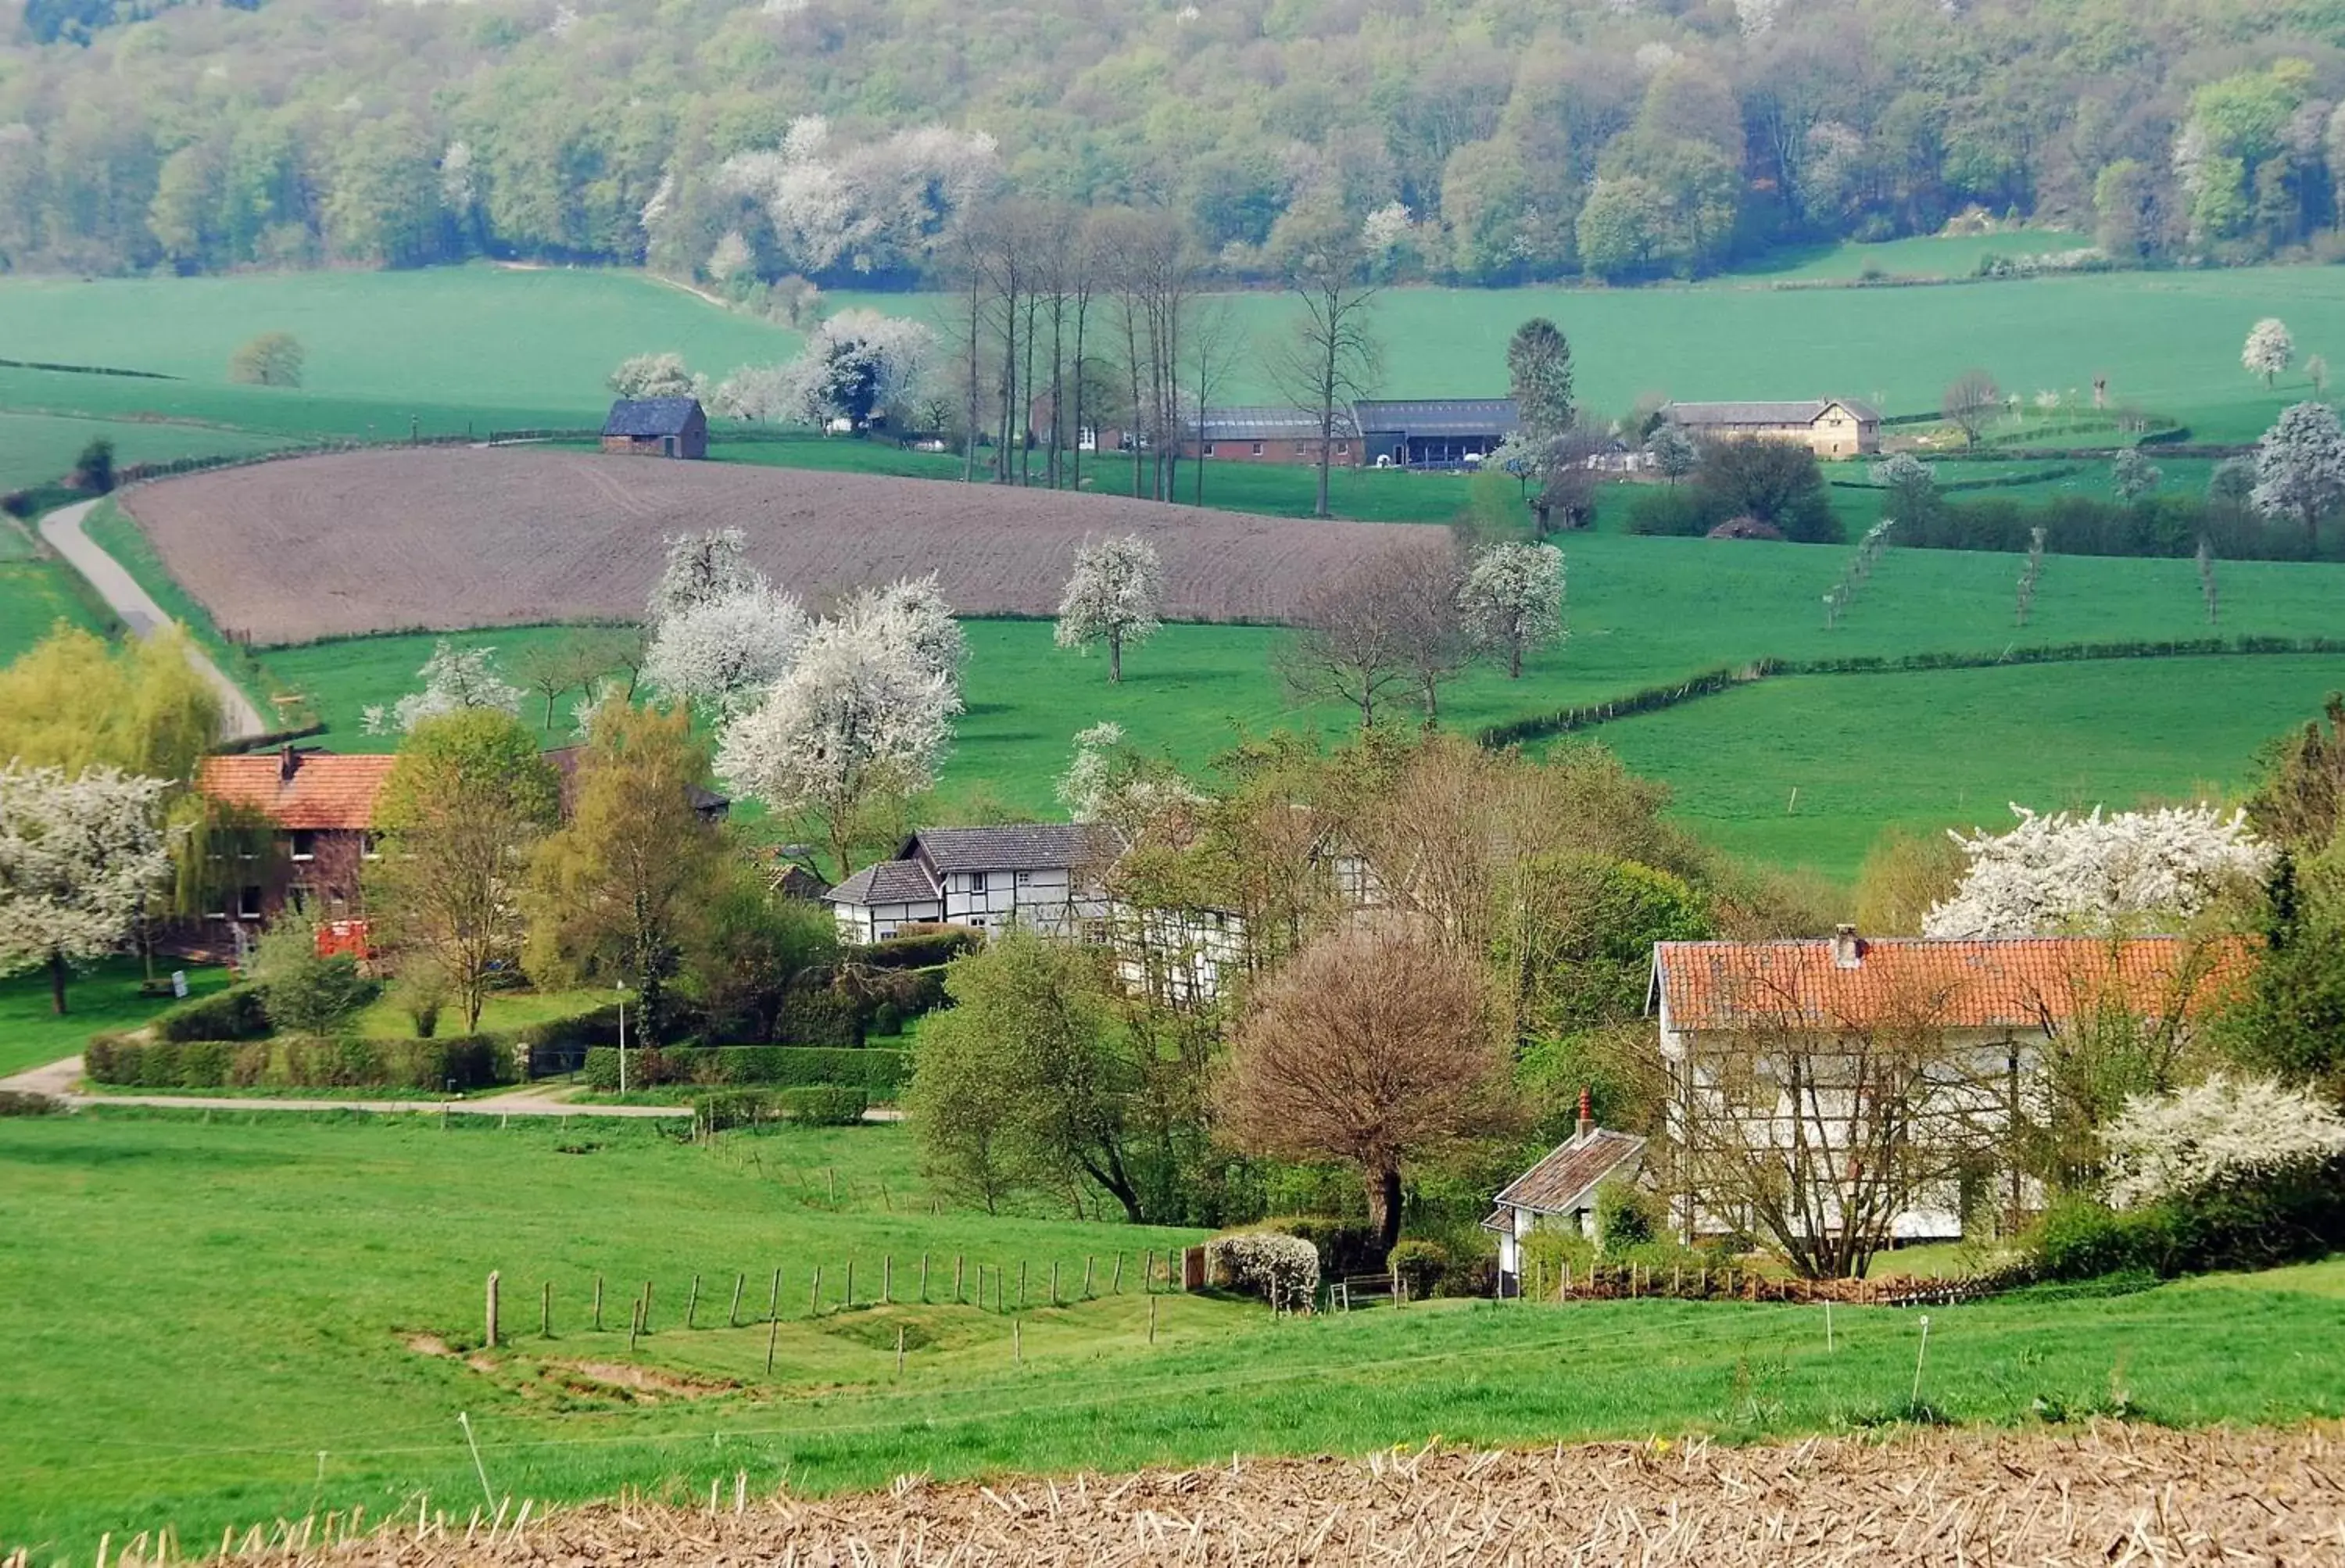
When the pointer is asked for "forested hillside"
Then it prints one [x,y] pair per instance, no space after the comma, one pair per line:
[1489,141]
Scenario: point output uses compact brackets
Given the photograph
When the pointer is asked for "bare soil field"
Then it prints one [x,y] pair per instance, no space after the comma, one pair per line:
[2109,1494]
[450,538]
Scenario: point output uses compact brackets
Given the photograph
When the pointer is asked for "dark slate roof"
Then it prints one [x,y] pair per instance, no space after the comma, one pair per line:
[1015,847]
[1267,422]
[565,761]
[1558,1184]
[888,883]
[1804,412]
[651,415]
[1438,416]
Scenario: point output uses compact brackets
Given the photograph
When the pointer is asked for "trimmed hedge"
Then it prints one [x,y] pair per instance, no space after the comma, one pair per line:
[236,1013]
[873,1071]
[811,1017]
[823,1105]
[925,947]
[299,1061]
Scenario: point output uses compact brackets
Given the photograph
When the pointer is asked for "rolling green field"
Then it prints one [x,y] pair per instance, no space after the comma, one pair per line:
[1927,255]
[1927,747]
[280,1275]
[106,997]
[36,449]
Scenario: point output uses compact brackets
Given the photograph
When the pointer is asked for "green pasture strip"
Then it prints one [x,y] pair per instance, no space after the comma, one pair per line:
[115,531]
[1928,750]
[35,448]
[102,998]
[285,1267]
[35,595]
[508,339]
[339,679]
[1947,257]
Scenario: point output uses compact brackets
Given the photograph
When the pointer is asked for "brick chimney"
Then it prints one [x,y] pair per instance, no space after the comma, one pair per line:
[288,763]
[1587,1115]
[1848,948]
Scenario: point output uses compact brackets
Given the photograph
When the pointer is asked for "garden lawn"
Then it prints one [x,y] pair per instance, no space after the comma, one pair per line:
[101,999]
[384,1019]
[286,1269]
[1941,749]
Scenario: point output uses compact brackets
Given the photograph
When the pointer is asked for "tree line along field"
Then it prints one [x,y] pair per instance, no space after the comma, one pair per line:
[274,1265]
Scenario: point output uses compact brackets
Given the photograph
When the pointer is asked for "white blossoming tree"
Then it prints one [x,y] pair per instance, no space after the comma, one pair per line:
[1672,451]
[1107,781]
[453,679]
[79,855]
[2301,467]
[855,722]
[857,366]
[1114,597]
[2222,1131]
[2121,871]
[2132,476]
[654,376]
[699,567]
[1513,600]
[2269,350]
[724,653]
[913,615]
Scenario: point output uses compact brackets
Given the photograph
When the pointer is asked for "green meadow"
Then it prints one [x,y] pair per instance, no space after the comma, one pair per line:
[295,1287]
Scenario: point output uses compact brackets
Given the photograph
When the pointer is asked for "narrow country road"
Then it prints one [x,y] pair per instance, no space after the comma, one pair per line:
[57,1079]
[239,719]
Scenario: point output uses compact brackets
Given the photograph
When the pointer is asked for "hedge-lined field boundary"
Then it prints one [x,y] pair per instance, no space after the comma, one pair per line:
[1710,683]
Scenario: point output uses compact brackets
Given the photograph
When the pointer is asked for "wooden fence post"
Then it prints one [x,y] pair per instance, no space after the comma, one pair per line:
[1088,1261]
[733,1317]
[958,1296]
[692,1303]
[1054,1282]
[1017,1340]
[1022,1287]
[598,1303]
[1151,1319]
[646,1314]
[888,1279]
[814,1294]
[924,1279]
[773,1332]
[774,1297]
[492,1309]
[545,1311]
[634,1324]
[899,1349]
[1117,1288]
[850,1280]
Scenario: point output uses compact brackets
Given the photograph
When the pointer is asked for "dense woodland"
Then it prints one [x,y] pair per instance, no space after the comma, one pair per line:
[1485,141]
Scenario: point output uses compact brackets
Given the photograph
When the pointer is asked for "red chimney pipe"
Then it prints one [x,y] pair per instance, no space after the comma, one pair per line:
[1587,1113]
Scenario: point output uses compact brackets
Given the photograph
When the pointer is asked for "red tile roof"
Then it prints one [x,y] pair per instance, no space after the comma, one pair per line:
[2013,982]
[1571,1172]
[327,790]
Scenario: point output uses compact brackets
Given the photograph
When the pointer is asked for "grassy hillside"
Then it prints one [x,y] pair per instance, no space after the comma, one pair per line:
[276,1268]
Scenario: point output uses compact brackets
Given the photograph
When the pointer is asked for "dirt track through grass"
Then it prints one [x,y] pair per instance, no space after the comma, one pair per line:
[451,538]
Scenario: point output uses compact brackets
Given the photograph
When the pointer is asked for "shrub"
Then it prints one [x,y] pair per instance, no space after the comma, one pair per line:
[813,1017]
[236,1013]
[422,992]
[1345,1246]
[317,995]
[888,1019]
[1420,1265]
[93,471]
[19,1103]
[919,947]
[1626,1215]
[1283,1270]
[1671,512]
[878,1071]
[296,1060]
[732,1108]
[2225,1132]
[823,1105]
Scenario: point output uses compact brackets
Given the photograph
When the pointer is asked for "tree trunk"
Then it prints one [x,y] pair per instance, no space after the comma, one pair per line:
[1515,658]
[1367,706]
[58,981]
[1115,658]
[1327,445]
[1383,1208]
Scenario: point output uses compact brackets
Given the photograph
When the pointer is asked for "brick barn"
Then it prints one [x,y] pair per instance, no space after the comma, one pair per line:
[657,427]
[1270,435]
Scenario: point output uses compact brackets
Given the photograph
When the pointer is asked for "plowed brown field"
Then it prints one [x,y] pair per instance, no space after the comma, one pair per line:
[440,539]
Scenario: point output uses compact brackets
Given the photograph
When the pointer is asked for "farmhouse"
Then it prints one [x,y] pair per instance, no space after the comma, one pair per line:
[1767,1044]
[320,806]
[1829,427]
[1043,875]
[657,427]
[1559,1193]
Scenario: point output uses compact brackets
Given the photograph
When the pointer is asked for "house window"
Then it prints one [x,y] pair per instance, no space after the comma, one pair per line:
[367,846]
[887,932]
[1343,448]
[1209,449]
[976,921]
[248,902]
[1025,877]
[305,844]
[1257,449]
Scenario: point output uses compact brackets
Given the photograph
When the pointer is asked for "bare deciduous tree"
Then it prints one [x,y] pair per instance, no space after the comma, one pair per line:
[1373,1048]
[1350,645]
[1971,401]
[1332,358]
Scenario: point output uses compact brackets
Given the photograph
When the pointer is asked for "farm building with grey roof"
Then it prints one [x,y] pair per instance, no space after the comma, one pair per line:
[657,427]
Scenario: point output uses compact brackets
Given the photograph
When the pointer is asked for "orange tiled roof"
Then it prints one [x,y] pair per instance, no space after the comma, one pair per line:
[2010,982]
[326,791]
